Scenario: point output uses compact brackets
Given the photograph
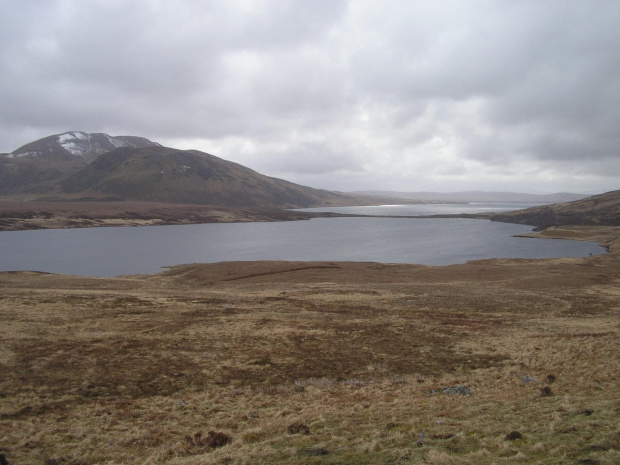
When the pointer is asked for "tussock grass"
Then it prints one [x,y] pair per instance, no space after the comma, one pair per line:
[329,363]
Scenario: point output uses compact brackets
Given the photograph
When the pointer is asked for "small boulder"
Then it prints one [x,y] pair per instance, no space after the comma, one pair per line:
[451,391]
[298,428]
[546,391]
[317,451]
[513,436]
[213,439]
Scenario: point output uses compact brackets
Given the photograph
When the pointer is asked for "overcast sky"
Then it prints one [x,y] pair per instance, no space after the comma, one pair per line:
[440,95]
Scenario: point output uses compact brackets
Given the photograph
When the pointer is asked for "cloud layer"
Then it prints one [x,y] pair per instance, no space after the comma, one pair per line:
[400,95]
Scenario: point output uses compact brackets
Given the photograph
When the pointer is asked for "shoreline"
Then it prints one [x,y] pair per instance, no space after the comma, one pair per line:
[72,215]
[19,216]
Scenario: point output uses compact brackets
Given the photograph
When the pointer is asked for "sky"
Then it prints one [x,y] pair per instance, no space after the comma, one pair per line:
[443,95]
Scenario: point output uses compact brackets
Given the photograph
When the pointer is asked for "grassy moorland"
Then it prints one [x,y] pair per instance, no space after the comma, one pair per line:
[316,363]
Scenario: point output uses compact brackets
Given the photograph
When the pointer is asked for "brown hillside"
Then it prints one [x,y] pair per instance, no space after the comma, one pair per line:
[600,210]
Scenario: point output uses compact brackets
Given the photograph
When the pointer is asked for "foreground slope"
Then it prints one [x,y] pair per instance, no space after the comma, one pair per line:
[309,363]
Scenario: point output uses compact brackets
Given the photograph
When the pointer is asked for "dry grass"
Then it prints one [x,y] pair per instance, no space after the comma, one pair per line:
[304,363]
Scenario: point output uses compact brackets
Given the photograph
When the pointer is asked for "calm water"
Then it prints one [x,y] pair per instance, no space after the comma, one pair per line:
[117,251]
[423,209]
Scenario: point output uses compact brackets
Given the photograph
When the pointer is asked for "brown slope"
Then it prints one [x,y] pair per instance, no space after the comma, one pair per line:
[602,210]
[162,174]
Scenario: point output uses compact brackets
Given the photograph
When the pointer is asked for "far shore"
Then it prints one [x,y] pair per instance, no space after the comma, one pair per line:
[21,216]
[34,215]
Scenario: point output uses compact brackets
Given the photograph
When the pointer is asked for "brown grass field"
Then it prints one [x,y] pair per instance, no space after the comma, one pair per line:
[316,363]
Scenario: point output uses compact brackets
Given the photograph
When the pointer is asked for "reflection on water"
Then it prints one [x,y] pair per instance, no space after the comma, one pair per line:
[422,209]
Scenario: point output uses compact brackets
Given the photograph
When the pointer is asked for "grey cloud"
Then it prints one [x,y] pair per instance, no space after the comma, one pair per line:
[340,88]
[312,158]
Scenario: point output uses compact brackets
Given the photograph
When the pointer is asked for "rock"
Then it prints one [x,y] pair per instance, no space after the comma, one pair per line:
[513,436]
[527,379]
[451,391]
[213,439]
[545,391]
[298,428]
[317,451]
[420,441]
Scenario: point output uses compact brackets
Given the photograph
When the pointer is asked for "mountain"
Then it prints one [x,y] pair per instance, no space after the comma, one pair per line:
[78,165]
[602,210]
[479,196]
[162,174]
[37,166]
[77,145]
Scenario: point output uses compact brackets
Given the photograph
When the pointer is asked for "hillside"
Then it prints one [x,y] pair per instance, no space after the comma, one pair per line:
[601,210]
[78,166]
[162,174]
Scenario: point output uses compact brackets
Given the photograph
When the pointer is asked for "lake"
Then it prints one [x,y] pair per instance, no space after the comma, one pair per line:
[120,251]
[423,209]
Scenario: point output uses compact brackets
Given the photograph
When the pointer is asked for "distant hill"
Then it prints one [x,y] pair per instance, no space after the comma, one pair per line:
[78,165]
[602,210]
[478,196]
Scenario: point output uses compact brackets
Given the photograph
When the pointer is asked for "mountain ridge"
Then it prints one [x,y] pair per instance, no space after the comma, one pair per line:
[78,165]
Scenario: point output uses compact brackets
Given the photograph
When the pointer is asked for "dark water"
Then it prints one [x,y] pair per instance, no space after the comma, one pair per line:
[117,251]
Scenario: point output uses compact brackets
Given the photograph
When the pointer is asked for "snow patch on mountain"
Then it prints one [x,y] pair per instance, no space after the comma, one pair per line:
[77,144]
[73,148]
[19,155]
[115,142]
[69,136]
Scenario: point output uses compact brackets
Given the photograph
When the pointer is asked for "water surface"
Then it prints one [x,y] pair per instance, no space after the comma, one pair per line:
[117,251]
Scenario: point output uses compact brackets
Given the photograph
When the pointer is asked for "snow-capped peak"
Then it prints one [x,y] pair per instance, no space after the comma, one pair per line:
[67,136]
[68,142]
[77,144]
